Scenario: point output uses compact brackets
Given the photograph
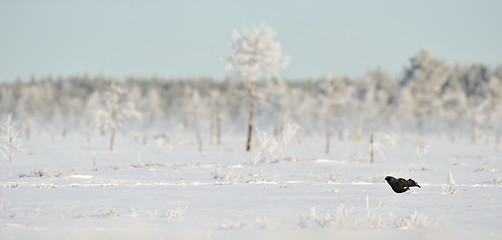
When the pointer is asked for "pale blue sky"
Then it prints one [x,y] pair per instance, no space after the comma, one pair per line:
[189,38]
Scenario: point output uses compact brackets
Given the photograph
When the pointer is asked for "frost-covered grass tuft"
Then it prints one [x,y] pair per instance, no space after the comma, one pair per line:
[344,217]
[335,219]
[272,149]
[228,177]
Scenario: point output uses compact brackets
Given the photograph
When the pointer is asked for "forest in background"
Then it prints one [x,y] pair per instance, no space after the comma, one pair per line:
[431,95]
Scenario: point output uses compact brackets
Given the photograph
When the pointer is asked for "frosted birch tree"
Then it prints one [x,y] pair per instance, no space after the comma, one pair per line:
[10,140]
[114,109]
[255,52]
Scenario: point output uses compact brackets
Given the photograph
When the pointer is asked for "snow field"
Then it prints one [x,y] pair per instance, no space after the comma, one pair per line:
[53,190]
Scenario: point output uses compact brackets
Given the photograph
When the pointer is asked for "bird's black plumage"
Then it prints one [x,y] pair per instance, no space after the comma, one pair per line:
[400,185]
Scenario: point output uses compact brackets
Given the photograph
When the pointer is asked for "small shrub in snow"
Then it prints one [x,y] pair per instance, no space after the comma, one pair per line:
[272,149]
[449,187]
[171,214]
[226,177]
[37,173]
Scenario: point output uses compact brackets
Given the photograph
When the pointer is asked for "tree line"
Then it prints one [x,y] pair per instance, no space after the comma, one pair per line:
[430,96]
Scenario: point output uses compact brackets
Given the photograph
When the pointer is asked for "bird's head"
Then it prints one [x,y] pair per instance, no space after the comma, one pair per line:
[389,178]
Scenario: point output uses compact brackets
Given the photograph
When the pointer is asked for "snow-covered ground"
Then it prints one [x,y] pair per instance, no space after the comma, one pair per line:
[170,190]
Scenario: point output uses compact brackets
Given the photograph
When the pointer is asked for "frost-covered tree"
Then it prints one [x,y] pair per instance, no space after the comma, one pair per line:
[422,85]
[114,109]
[194,110]
[10,139]
[255,53]
[334,94]
[375,92]
[215,118]
[453,102]
[476,82]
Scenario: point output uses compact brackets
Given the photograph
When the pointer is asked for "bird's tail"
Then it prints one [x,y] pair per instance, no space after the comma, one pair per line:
[412,183]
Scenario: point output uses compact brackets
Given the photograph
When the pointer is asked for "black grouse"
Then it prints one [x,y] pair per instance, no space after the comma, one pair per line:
[400,185]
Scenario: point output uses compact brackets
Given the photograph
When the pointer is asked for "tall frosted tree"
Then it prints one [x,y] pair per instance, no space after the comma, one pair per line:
[114,109]
[255,53]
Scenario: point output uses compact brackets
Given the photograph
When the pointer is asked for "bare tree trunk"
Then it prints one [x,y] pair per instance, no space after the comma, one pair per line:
[112,139]
[251,116]
[328,129]
[371,144]
[497,139]
[211,126]
[94,160]
[10,149]
[218,127]
[199,140]
[114,119]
